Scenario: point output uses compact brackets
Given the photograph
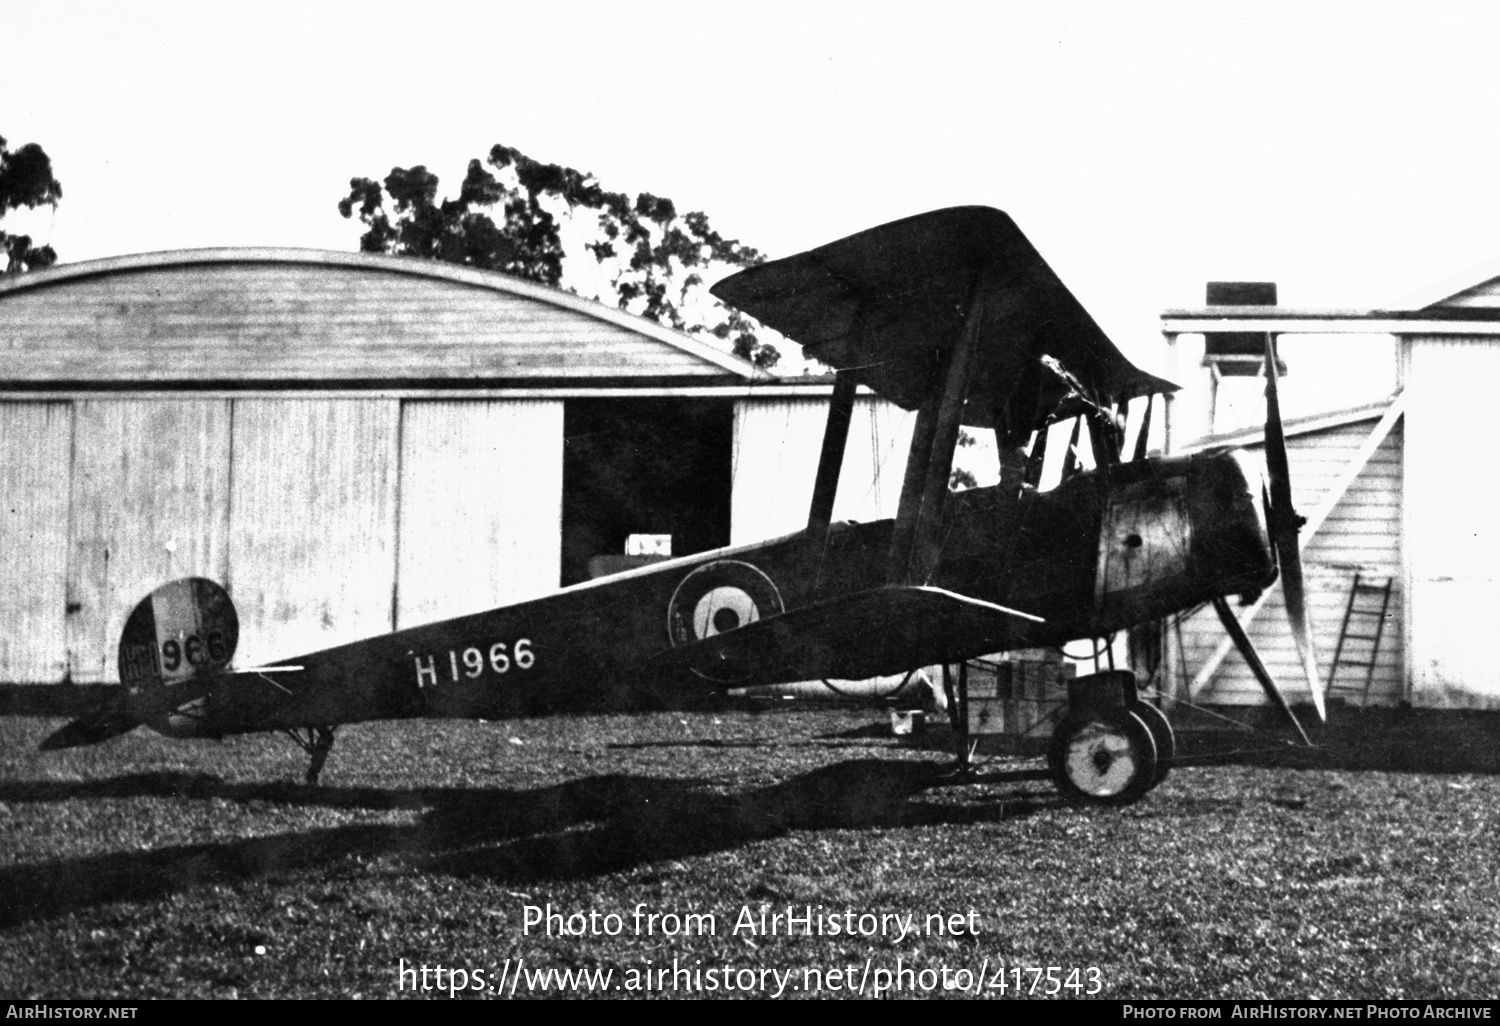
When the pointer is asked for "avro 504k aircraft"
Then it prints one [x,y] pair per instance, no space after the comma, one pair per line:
[952,314]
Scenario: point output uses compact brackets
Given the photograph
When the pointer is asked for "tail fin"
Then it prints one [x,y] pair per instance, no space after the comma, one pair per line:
[182,630]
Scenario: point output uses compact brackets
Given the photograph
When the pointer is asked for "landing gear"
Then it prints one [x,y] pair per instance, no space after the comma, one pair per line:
[1110,748]
[956,691]
[1105,757]
[1161,732]
[316,742]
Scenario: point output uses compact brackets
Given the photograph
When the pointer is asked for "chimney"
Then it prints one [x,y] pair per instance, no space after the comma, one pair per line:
[1238,353]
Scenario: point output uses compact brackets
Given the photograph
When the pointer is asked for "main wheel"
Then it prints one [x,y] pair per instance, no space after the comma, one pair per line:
[1105,757]
[1161,732]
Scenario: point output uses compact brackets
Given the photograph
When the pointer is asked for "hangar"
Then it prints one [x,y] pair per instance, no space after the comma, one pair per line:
[1397,491]
[354,443]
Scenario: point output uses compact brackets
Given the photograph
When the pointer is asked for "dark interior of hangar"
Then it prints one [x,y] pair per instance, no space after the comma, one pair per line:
[644,466]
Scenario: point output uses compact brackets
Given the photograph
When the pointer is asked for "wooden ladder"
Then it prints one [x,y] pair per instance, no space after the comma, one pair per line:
[1360,611]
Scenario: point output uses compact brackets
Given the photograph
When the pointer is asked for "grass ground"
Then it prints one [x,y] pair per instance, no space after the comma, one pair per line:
[151,868]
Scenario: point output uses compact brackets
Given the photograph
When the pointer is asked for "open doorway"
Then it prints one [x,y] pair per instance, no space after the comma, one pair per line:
[644,466]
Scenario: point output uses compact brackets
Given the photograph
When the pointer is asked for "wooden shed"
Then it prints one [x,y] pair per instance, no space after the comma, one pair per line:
[1419,507]
[1346,471]
[353,443]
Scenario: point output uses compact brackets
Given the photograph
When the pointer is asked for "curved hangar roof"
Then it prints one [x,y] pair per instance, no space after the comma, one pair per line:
[313,318]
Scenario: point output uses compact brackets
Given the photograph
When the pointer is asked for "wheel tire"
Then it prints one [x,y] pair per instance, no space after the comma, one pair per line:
[1106,757]
[1161,732]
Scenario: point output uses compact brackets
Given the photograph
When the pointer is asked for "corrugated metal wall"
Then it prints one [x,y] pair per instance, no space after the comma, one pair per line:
[1452,528]
[776,446]
[481,505]
[1362,534]
[296,504]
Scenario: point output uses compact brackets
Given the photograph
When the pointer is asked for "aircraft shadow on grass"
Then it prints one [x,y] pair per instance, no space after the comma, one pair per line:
[512,836]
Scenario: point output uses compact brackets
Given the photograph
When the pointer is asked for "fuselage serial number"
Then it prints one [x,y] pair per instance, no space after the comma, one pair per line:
[472,663]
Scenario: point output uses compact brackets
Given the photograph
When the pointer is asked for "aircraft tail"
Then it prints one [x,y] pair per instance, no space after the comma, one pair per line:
[178,636]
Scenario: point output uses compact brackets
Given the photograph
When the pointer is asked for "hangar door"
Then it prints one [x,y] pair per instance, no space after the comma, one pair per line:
[650,465]
[481,498]
[327,519]
[777,442]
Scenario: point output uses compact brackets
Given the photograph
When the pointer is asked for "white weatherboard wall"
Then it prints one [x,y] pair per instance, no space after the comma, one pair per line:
[1452,505]
[1362,534]
[776,448]
[481,505]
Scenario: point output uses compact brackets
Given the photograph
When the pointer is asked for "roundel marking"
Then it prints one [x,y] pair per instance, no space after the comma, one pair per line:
[723,609]
[719,597]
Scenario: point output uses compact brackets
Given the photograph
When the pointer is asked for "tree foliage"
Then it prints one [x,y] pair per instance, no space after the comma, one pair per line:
[961,478]
[653,257]
[26,181]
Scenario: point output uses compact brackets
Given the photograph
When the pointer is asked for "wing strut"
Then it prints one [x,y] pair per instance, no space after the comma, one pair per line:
[831,460]
[916,542]
[1143,439]
[914,545]
[904,531]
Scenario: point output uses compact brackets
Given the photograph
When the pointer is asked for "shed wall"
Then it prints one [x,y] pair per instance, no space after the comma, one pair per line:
[312,523]
[328,520]
[481,505]
[1453,534]
[36,446]
[1361,535]
[149,503]
[776,447]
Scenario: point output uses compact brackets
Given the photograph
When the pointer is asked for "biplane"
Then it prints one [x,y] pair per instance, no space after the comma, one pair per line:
[951,314]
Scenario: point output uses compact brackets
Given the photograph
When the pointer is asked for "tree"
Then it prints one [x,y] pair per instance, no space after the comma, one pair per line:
[26,181]
[962,478]
[654,258]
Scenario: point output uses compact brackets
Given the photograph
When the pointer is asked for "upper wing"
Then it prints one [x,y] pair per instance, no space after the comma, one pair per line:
[889,302]
[853,637]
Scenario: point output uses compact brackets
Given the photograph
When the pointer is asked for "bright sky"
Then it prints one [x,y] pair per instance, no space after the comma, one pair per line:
[1345,151]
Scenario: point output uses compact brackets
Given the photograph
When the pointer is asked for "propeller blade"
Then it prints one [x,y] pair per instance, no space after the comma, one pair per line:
[1293,590]
[1284,526]
[1252,659]
[111,719]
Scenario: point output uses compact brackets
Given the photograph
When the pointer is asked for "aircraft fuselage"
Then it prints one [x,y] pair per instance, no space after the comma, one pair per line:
[1102,552]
